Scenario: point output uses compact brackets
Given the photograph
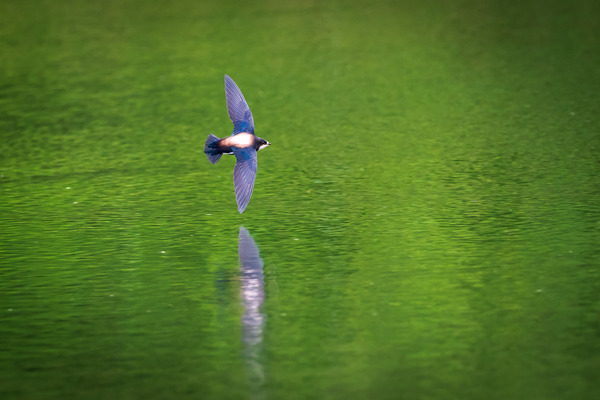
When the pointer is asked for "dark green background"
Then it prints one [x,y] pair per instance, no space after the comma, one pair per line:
[428,214]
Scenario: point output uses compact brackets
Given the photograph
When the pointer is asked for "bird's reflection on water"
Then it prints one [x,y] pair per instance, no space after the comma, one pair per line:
[253,320]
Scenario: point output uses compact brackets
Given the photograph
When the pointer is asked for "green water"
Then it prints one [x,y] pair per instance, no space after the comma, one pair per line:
[428,216]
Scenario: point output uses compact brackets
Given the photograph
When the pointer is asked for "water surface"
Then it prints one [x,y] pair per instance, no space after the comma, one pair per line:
[425,224]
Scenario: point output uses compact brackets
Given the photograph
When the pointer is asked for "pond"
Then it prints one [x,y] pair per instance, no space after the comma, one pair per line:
[425,224]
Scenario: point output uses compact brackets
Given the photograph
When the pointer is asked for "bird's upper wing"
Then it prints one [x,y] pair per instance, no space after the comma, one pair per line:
[244,175]
[238,109]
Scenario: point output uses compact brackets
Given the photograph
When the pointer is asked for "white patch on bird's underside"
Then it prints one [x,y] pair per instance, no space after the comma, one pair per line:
[243,139]
[262,146]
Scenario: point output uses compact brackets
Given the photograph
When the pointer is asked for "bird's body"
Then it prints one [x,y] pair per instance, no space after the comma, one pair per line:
[243,143]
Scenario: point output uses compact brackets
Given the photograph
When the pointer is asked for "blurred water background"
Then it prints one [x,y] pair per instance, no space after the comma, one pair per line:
[424,226]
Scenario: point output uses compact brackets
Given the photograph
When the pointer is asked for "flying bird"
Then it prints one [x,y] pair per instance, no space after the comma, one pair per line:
[242,143]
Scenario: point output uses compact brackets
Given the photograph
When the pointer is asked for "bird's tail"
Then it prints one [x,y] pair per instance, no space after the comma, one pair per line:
[212,153]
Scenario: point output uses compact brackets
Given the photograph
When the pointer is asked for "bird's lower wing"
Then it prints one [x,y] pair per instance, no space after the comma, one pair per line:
[244,175]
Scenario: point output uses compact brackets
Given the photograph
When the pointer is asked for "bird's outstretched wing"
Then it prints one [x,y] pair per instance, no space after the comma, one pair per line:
[238,109]
[244,175]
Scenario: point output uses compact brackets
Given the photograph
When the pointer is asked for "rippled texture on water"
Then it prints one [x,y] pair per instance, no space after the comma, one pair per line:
[425,224]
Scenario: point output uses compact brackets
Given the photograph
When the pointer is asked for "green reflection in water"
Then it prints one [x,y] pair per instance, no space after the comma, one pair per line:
[428,214]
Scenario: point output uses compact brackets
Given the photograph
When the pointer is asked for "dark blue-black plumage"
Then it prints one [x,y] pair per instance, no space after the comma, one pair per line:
[243,143]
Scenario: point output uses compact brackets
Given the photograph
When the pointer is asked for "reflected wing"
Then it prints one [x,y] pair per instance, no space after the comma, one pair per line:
[249,255]
[238,109]
[244,175]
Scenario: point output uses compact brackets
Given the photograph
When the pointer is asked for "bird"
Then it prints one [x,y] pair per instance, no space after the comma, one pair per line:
[242,143]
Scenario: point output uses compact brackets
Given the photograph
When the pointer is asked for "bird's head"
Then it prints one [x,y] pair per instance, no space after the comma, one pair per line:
[261,143]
